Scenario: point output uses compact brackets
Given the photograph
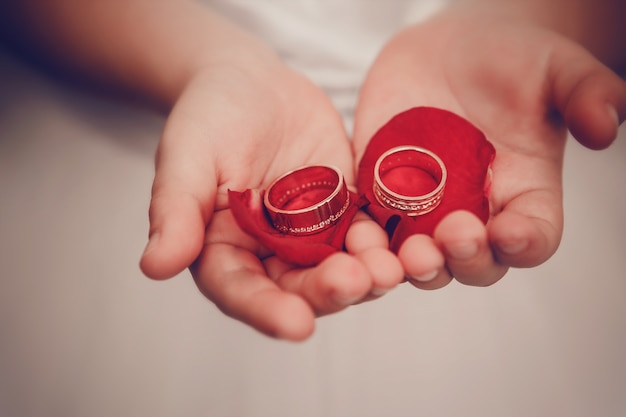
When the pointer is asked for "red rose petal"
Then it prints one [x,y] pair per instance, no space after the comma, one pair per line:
[464,150]
[249,212]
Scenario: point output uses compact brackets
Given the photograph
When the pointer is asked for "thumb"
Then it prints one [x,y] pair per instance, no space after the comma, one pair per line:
[183,197]
[590,96]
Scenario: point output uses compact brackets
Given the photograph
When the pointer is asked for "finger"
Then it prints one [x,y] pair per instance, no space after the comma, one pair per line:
[528,231]
[365,233]
[183,196]
[187,175]
[336,283]
[590,96]
[176,233]
[423,263]
[235,280]
[384,268]
[463,240]
[369,243]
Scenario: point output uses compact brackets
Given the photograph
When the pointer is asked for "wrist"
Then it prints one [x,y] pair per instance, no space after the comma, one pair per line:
[148,49]
[211,45]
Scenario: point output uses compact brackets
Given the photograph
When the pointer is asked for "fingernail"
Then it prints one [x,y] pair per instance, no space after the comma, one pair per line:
[463,250]
[152,243]
[613,114]
[513,248]
[379,292]
[345,300]
[425,277]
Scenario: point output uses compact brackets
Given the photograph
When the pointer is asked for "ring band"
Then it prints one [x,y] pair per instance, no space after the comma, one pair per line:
[307,200]
[406,196]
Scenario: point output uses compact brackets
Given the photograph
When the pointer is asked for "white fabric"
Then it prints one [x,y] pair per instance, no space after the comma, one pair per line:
[332,42]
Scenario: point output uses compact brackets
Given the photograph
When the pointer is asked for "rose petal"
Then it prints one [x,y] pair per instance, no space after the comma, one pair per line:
[465,152]
[249,212]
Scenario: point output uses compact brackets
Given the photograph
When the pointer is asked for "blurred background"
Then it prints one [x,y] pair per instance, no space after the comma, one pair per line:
[83,333]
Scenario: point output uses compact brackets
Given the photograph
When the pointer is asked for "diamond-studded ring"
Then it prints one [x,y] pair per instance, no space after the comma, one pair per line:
[307,200]
[410,179]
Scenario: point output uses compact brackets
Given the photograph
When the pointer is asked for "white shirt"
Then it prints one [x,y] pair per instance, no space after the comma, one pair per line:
[332,42]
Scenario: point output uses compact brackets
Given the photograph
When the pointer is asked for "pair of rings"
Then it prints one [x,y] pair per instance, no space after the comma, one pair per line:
[311,199]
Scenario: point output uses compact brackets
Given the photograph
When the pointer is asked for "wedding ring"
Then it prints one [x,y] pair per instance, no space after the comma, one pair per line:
[410,179]
[307,200]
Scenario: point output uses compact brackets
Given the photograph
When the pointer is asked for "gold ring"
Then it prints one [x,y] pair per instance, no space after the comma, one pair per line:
[410,179]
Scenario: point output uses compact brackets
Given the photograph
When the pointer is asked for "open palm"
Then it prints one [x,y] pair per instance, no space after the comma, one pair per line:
[524,87]
[237,130]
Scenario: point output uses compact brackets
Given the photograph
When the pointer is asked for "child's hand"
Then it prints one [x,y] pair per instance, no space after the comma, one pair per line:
[238,128]
[239,119]
[523,86]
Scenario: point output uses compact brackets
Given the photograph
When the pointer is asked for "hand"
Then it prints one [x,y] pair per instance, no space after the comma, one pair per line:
[523,86]
[238,128]
[239,119]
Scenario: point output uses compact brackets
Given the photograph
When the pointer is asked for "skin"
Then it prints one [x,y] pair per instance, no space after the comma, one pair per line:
[238,118]
[241,277]
[468,61]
